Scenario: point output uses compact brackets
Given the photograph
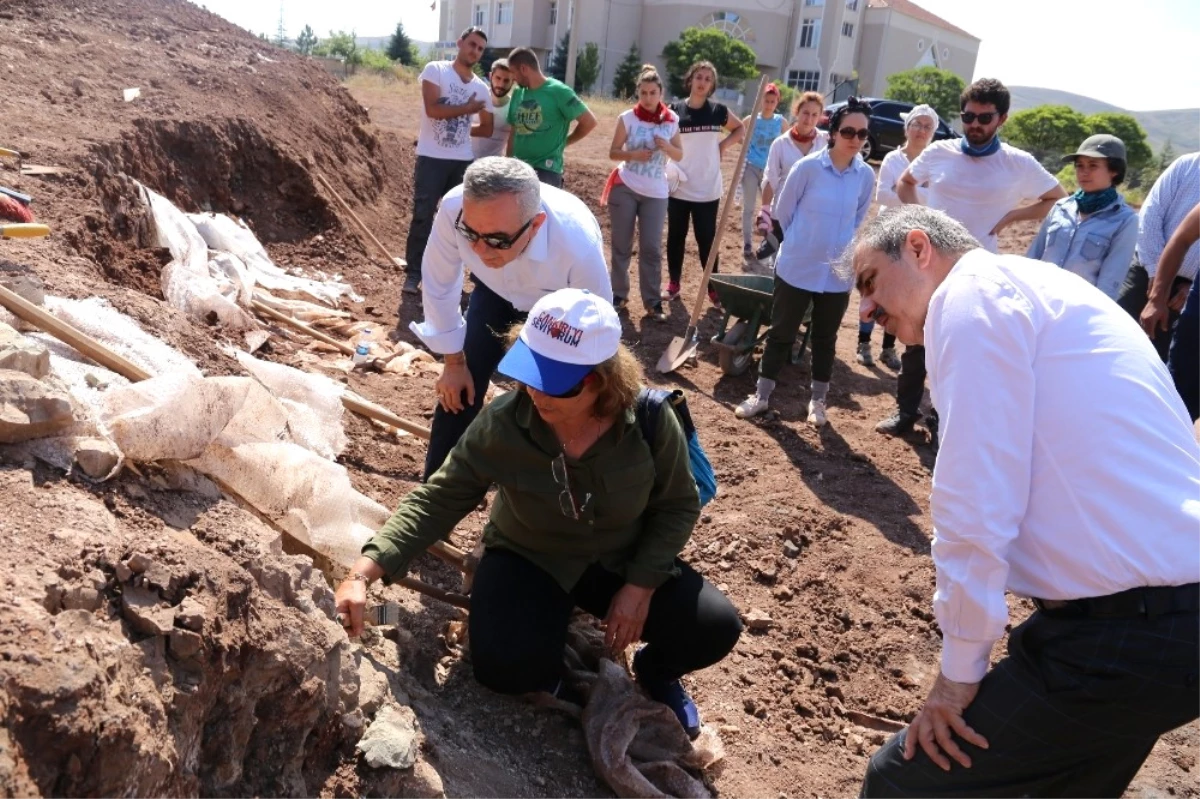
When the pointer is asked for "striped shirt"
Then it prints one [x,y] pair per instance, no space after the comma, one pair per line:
[1176,192]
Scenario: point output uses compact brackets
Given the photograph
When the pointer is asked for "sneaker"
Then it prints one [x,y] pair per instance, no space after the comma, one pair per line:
[620,304]
[898,423]
[672,290]
[672,694]
[864,354]
[765,251]
[889,358]
[657,313]
[752,405]
[412,284]
[816,413]
[747,251]
[714,299]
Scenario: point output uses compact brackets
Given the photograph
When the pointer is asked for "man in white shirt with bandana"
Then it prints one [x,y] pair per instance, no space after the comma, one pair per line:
[1090,508]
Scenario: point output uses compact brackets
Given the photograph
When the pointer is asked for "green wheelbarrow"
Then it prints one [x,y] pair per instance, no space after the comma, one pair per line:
[747,299]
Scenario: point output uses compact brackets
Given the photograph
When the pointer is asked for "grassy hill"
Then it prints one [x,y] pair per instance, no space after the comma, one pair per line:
[1180,126]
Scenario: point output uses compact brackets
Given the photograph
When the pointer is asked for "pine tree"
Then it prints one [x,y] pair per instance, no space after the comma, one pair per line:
[306,41]
[400,48]
[558,62]
[625,79]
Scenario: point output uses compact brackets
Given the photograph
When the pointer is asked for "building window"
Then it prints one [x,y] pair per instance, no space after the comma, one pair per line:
[848,29]
[814,2]
[479,19]
[810,33]
[729,23]
[504,12]
[803,80]
[852,5]
[554,12]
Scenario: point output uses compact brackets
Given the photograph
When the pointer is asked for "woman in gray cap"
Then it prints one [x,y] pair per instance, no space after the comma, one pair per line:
[1093,232]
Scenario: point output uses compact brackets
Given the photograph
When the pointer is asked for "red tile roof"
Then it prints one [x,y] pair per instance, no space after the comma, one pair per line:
[911,9]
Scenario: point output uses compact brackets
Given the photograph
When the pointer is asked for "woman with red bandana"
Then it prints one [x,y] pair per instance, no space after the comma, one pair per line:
[801,139]
[636,192]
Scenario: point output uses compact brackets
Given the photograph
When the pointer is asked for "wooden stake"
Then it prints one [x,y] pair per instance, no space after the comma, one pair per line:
[366,230]
[307,330]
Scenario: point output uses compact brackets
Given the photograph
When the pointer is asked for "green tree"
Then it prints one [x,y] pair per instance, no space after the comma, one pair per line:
[342,45]
[1165,156]
[625,78]
[557,68]
[375,59]
[734,60]
[306,41]
[787,96]
[1127,129]
[939,88]
[1046,131]
[400,48]
[587,67]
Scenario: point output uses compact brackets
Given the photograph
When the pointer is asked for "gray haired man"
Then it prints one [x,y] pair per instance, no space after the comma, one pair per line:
[1088,508]
[520,239]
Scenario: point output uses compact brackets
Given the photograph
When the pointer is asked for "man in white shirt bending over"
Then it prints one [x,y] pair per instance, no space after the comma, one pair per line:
[451,94]
[981,182]
[1091,508]
[520,239]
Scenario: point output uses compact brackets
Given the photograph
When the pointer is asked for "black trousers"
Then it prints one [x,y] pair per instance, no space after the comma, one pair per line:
[489,316]
[519,617]
[432,179]
[1184,357]
[1134,293]
[554,179]
[910,383]
[1072,711]
[703,218]
[787,314]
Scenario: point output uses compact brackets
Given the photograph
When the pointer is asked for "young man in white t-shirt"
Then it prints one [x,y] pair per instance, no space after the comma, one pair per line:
[451,93]
[985,185]
[500,79]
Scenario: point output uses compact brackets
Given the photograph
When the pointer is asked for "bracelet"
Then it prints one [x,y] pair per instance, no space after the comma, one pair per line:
[360,577]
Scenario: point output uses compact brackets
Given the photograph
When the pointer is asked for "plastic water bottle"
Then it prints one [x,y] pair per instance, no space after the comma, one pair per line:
[362,348]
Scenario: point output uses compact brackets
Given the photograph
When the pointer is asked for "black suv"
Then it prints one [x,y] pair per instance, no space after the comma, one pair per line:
[887,128]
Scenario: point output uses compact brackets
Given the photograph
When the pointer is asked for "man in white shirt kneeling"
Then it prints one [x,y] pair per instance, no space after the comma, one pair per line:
[1089,508]
[520,239]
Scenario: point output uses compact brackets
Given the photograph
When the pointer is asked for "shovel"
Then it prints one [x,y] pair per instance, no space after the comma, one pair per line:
[30,169]
[24,230]
[684,347]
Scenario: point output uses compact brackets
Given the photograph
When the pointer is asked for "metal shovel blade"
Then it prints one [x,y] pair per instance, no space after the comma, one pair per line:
[678,351]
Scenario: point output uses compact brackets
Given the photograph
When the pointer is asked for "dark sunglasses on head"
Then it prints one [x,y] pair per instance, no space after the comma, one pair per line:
[497,241]
[984,119]
[850,133]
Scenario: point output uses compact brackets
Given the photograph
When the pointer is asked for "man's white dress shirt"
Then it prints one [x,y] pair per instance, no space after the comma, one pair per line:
[1068,466]
[566,252]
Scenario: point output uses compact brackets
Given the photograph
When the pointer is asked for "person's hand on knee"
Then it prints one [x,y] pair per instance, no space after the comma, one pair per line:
[939,717]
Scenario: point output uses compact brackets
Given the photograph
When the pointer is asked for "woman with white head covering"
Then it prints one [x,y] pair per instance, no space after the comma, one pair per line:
[919,126]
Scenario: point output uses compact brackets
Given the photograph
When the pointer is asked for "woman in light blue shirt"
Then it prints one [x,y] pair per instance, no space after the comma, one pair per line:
[1093,232]
[766,129]
[824,199]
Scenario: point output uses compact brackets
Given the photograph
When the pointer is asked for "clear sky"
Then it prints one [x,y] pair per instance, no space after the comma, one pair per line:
[1139,55]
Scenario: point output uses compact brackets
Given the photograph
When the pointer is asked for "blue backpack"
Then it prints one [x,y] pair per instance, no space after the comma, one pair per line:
[649,402]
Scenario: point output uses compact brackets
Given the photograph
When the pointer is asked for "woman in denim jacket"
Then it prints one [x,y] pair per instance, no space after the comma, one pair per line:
[1093,232]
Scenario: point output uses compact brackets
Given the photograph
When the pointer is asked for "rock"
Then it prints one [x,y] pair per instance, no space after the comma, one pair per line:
[30,409]
[423,782]
[97,457]
[758,620]
[858,743]
[185,643]
[21,354]
[191,614]
[144,613]
[392,740]
[834,692]
[83,597]
[139,562]
[123,572]
[373,687]
[25,284]
[783,593]
[768,572]
[791,549]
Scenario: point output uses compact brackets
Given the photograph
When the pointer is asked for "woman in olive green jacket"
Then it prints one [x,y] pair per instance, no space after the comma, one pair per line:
[587,514]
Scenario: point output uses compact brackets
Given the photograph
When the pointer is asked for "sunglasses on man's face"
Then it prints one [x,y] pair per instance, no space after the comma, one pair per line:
[497,241]
[984,119]
[851,133]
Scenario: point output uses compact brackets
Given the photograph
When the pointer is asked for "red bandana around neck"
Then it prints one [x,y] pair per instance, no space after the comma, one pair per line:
[803,139]
[655,117]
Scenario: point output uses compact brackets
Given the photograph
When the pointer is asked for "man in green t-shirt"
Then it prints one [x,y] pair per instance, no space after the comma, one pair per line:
[540,114]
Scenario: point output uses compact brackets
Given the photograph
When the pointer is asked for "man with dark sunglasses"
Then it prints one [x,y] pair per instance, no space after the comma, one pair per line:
[520,240]
[985,185]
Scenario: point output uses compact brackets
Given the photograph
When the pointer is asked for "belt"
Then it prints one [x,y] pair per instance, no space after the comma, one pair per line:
[1148,602]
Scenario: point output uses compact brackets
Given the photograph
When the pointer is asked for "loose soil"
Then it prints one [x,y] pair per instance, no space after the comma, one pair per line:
[230,124]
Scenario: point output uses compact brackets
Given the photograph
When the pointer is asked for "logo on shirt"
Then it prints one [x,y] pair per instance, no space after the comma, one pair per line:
[557,329]
[528,117]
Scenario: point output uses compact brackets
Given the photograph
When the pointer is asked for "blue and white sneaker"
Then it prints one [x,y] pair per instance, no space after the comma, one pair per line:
[672,694]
